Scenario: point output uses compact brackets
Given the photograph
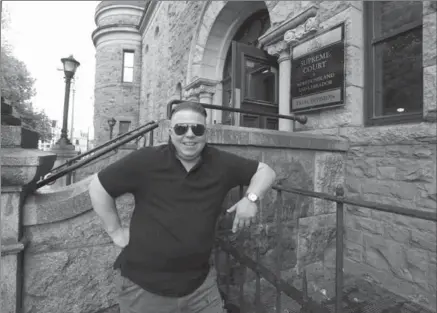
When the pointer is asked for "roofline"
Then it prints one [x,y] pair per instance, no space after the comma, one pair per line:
[144,21]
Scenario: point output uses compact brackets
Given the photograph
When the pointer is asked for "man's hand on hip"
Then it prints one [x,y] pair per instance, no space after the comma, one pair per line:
[245,213]
[120,237]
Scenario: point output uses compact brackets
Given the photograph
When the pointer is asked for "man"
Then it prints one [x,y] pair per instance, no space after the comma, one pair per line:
[179,189]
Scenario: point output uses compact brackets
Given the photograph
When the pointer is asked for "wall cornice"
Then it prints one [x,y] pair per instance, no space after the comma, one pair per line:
[114,28]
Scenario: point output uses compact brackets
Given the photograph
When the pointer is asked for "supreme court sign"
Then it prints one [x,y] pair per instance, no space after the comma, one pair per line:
[317,75]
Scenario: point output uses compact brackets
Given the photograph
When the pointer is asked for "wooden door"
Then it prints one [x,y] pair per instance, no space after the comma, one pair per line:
[254,85]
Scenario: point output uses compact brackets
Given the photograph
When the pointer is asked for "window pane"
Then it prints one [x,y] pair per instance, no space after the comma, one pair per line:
[128,59]
[128,75]
[399,82]
[123,127]
[391,15]
[259,81]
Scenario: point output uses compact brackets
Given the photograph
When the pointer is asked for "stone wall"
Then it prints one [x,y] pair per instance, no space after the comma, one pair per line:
[393,166]
[68,262]
[166,47]
[116,31]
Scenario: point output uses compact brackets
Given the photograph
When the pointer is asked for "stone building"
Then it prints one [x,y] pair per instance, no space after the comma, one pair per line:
[358,70]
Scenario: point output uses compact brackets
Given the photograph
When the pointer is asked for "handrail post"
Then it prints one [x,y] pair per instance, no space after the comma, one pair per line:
[339,252]
[150,138]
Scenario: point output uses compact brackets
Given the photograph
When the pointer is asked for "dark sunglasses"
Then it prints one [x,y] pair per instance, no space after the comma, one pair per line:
[182,129]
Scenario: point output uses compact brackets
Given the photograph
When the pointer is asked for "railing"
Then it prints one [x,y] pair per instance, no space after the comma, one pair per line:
[70,166]
[282,287]
[299,118]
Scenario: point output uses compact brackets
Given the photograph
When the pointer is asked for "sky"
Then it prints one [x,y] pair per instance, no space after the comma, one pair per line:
[43,32]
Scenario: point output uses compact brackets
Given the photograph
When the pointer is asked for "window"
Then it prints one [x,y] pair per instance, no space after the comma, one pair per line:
[128,66]
[123,127]
[394,76]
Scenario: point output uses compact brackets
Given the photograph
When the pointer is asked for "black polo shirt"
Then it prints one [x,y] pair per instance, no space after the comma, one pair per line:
[173,223]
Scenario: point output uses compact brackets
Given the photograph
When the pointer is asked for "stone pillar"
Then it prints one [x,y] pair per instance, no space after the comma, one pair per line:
[205,96]
[282,50]
[21,169]
[284,89]
[63,154]
[203,91]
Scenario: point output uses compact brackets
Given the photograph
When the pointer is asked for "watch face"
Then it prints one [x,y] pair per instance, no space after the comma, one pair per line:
[252,197]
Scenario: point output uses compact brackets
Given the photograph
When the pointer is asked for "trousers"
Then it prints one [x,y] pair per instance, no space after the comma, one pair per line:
[205,299]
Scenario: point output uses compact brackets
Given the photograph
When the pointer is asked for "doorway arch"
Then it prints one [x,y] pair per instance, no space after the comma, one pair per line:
[217,26]
[210,56]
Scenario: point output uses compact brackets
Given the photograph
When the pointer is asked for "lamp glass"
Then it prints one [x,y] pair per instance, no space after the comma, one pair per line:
[70,64]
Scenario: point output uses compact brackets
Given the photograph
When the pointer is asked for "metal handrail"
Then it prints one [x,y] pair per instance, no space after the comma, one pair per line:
[81,156]
[301,297]
[302,119]
[79,164]
[424,215]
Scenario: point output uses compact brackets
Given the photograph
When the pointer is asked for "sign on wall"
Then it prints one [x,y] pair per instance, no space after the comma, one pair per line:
[317,75]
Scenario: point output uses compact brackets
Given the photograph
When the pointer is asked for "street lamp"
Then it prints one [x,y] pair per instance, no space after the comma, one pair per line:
[70,67]
[111,124]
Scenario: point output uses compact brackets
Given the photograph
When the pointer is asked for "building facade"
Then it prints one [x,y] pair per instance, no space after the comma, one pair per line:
[361,70]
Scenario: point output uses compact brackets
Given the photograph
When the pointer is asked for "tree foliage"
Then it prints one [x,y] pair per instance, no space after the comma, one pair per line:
[17,85]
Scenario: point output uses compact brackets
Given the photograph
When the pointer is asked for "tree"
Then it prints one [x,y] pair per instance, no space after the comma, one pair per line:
[17,85]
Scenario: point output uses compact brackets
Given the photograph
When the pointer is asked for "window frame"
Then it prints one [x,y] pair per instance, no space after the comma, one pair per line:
[124,122]
[370,70]
[124,65]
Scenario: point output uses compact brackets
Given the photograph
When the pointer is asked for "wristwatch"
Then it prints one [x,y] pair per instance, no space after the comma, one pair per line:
[252,197]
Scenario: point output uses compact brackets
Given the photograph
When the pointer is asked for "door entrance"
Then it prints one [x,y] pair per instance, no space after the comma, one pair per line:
[254,85]
[250,76]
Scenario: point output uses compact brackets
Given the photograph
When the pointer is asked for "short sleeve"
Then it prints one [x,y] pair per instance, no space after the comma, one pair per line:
[125,175]
[239,170]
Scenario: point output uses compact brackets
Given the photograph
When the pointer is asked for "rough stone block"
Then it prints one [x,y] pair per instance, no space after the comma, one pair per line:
[8,283]
[353,19]
[316,236]
[423,240]
[353,235]
[11,136]
[429,39]
[328,174]
[10,215]
[397,233]
[21,167]
[417,266]
[354,67]
[383,254]
[82,230]
[403,134]
[354,252]
[369,225]
[357,211]
[77,281]
[430,92]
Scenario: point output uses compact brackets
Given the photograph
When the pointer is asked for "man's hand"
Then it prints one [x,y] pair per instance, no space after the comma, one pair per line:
[245,213]
[120,237]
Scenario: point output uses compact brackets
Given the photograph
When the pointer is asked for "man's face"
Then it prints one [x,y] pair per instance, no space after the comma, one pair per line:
[188,145]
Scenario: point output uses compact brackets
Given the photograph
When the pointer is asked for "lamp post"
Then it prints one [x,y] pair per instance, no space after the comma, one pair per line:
[111,124]
[70,67]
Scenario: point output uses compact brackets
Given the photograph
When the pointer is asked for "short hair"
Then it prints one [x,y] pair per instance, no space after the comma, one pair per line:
[190,106]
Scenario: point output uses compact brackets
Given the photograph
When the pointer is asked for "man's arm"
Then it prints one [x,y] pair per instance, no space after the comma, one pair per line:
[262,180]
[104,206]
[260,183]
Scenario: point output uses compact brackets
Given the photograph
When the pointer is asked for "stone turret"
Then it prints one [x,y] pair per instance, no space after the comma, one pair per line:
[117,81]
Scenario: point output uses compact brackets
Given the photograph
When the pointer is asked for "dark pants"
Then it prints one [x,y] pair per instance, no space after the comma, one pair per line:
[206,299]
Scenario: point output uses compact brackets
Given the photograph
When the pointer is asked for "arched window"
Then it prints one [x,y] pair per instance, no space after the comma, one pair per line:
[250,76]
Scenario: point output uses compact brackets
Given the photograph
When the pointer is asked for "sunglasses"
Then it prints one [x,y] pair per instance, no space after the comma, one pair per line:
[182,129]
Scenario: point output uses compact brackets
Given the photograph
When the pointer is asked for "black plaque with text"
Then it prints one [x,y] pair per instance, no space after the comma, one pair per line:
[317,78]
